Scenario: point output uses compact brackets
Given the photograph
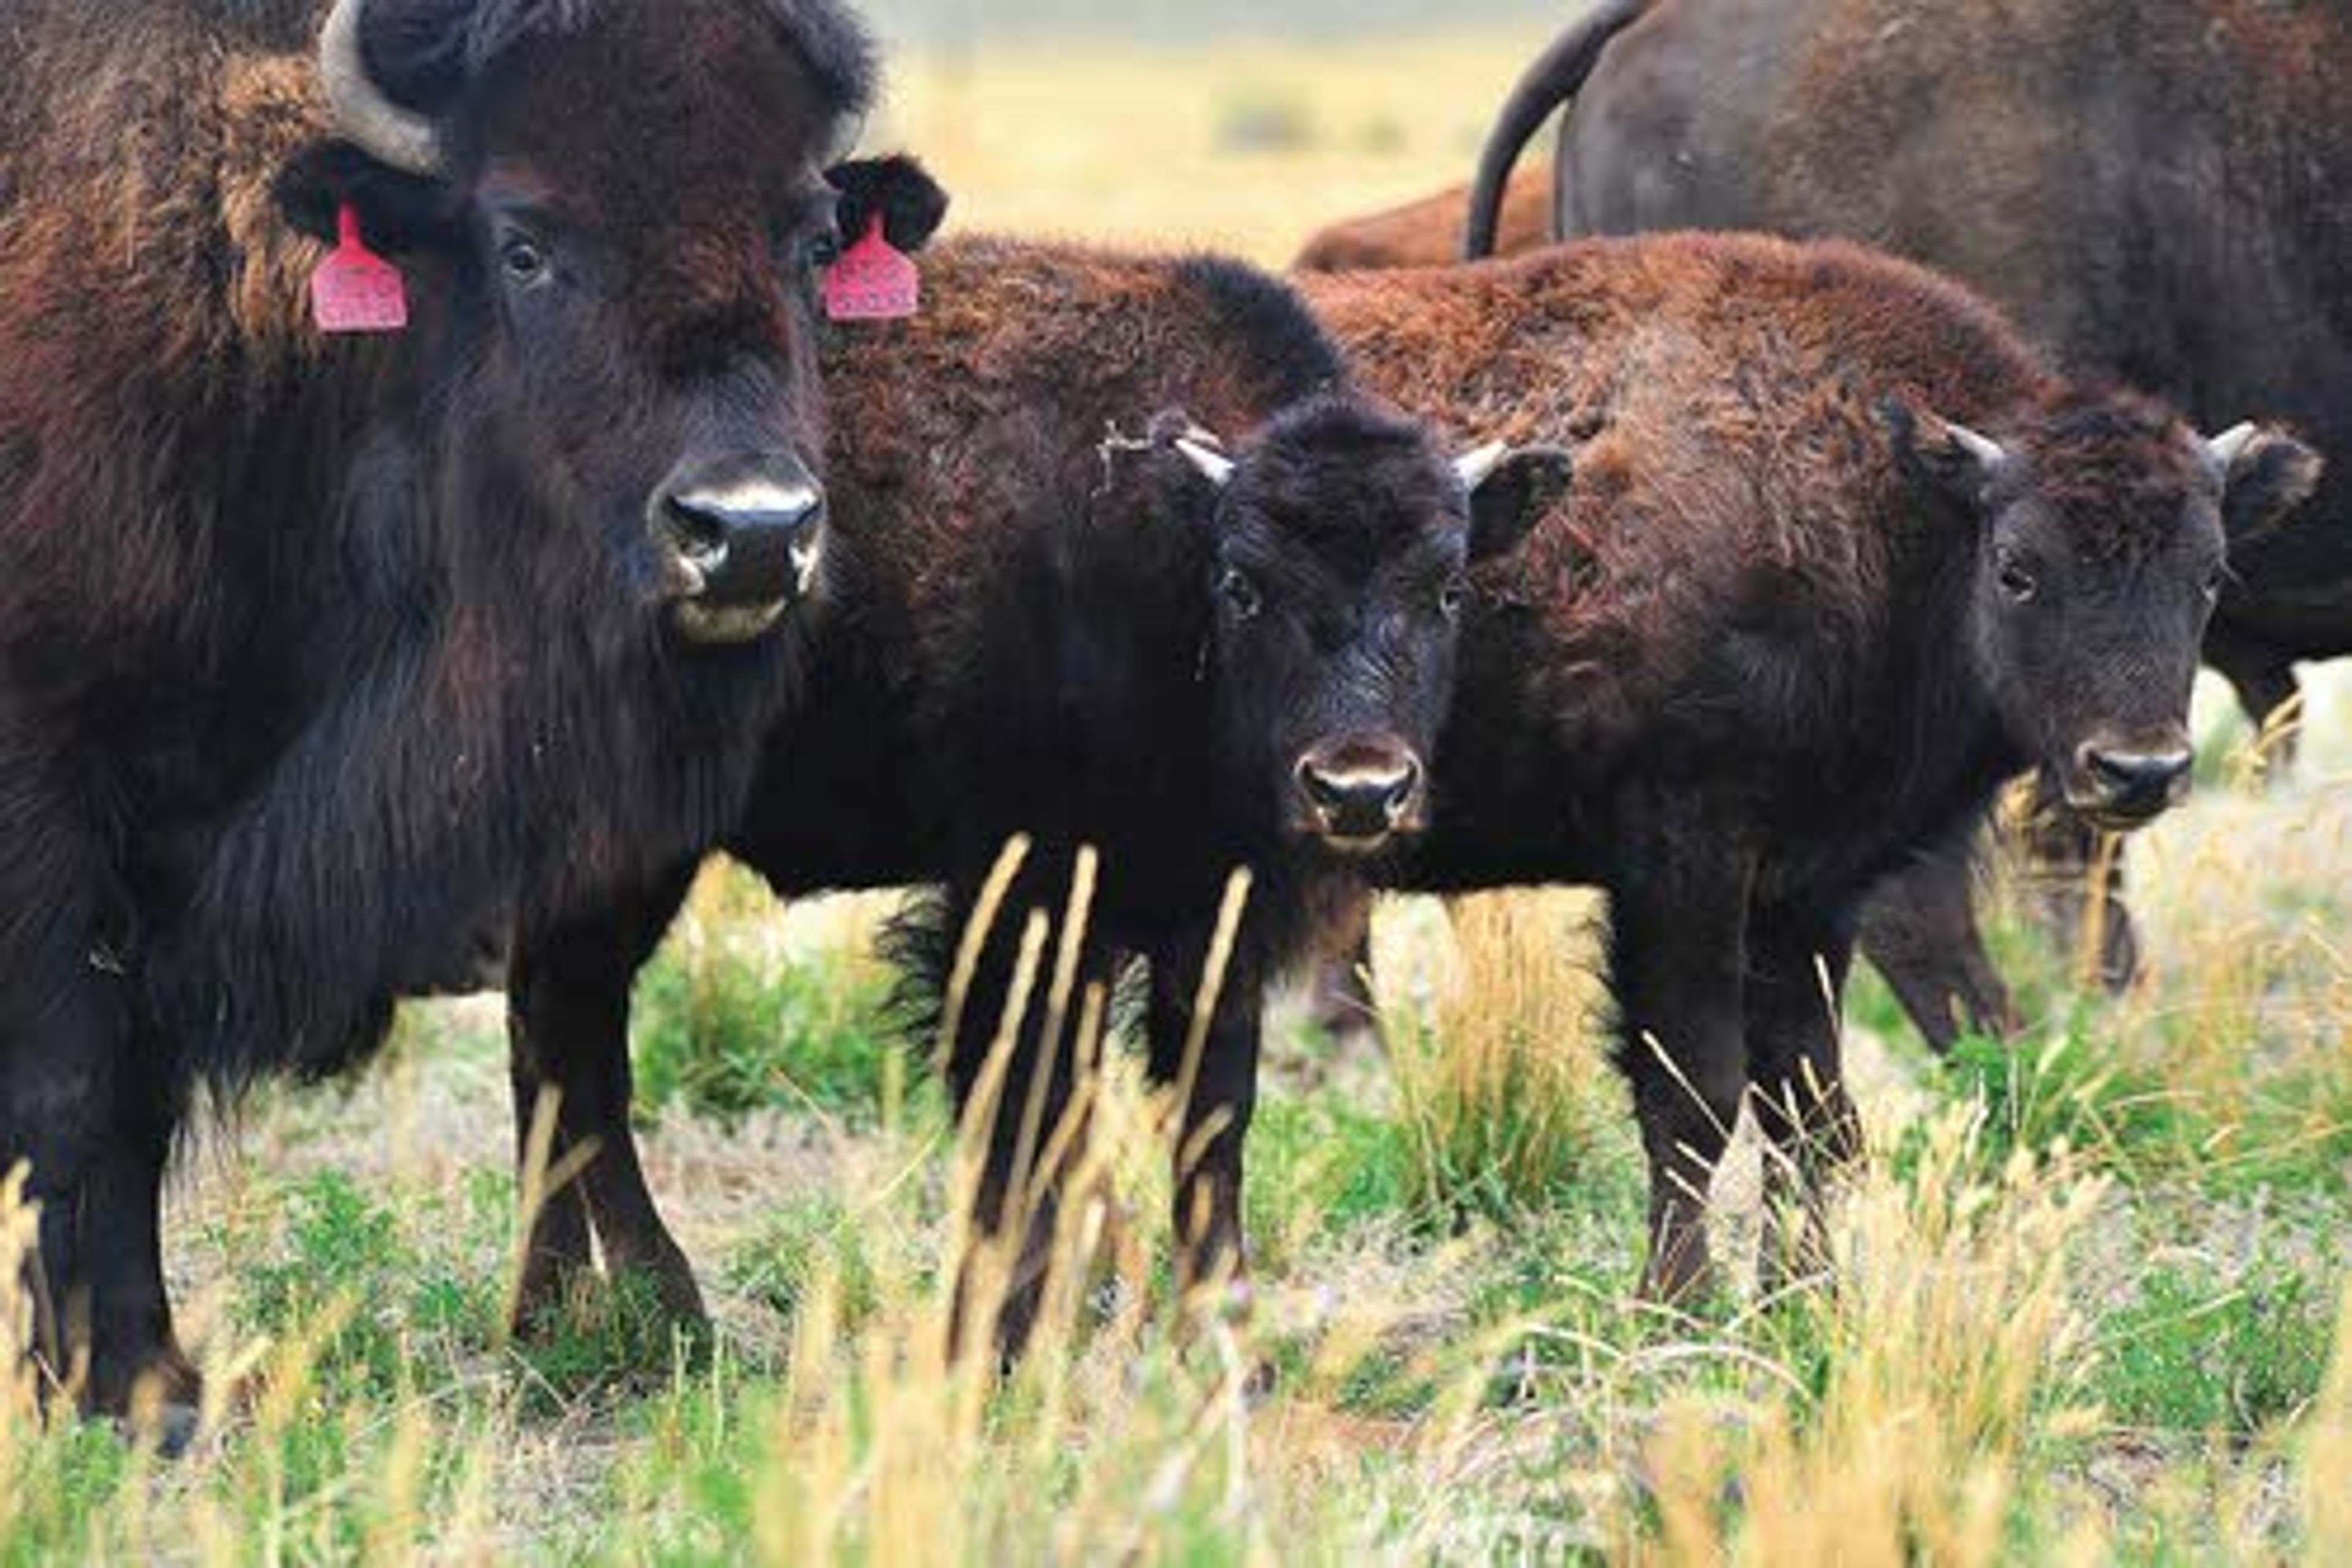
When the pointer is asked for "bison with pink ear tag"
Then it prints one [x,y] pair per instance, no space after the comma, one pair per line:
[411,483]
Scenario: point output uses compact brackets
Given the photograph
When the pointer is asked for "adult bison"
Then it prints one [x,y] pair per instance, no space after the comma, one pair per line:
[1840,558]
[1190,656]
[2161,193]
[316,651]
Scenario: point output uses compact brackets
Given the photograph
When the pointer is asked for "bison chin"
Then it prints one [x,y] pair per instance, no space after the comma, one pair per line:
[724,626]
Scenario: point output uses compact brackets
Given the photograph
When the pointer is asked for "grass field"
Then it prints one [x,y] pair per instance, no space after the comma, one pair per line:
[2091,1298]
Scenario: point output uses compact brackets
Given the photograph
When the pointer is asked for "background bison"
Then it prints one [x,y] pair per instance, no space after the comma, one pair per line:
[320,651]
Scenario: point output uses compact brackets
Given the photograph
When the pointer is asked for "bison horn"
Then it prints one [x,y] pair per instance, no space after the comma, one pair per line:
[1983,450]
[401,137]
[2231,445]
[1214,466]
[1475,469]
[847,133]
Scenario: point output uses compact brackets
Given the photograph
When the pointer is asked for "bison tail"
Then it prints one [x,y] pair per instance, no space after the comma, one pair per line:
[1552,81]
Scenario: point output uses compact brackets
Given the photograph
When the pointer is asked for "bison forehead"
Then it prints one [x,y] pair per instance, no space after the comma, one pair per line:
[1350,482]
[2121,474]
[651,107]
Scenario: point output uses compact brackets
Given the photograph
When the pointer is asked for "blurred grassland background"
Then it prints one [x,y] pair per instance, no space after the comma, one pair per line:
[2091,1286]
[1213,138]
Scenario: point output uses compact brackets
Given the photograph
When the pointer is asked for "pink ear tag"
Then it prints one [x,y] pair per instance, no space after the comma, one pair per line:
[355,290]
[873,281]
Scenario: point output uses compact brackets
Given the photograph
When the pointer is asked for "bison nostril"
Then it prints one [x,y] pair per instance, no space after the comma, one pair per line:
[1359,801]
[1400,794]
[1319,789]
[2136,773]
[744,531]
[697,532]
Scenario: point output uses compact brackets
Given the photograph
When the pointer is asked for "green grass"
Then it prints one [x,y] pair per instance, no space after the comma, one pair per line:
[733,1034]
[2198,1354]
[2091,1301]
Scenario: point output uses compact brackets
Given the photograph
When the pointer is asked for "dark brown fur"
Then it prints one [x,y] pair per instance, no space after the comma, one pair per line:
[1745,670]
[2155,193]
[313,652]
[1026,641]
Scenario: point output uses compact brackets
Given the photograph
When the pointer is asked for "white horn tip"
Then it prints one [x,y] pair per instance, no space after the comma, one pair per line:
[2231,445]
[1475,469]
[1214,466]
[1984,449]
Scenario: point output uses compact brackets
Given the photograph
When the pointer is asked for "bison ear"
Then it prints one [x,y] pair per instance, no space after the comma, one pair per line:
[911,203]
[1510,492]
[2265,474]
[1951,458]
[400,212]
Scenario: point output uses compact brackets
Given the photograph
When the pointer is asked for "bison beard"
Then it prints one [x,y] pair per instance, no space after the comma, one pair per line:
[1034,636]
[317,657]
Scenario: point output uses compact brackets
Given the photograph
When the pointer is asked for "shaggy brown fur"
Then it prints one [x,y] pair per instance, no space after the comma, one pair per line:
[2155,192]
[1781,634]
[315,652]
[1039,616]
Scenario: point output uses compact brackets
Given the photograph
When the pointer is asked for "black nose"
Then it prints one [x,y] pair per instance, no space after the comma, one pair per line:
[742,531]
[2138,784]
[1358,797]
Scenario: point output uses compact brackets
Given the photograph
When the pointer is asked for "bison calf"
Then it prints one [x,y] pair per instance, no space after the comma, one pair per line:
[1059,617]
[1840,559]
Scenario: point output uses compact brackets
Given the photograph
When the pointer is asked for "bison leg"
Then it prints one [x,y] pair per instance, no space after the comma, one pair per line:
[63,1033]
[1017,1060]
[1798,960]
[2079,883]
[1219,1097]
[1341,1000]
[2264,679]
[1678,959]
[1920,931]
[134,1353]
[568,1035]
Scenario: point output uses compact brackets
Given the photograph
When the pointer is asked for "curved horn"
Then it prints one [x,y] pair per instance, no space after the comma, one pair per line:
[400,137]
[2226,448]
[1983,449]
[1475,469]
[1214,466]
[848,131]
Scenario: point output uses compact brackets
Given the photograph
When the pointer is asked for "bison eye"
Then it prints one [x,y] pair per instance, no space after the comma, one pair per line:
[523,262]
[2216,579]
[1450,598]
[1239,594]
[2016,581]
